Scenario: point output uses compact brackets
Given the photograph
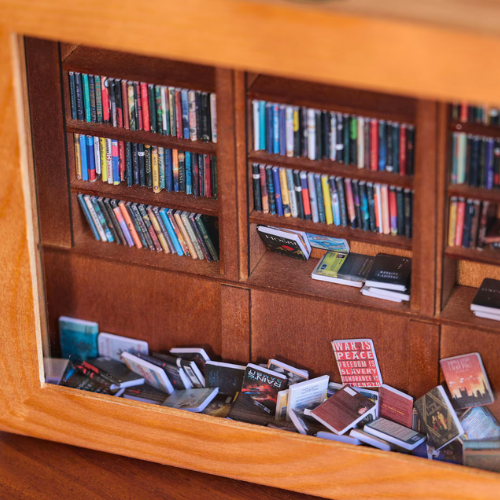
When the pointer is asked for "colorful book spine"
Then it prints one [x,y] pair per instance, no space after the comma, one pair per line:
[327,200]
[285,198]
[306,203]
[312,197]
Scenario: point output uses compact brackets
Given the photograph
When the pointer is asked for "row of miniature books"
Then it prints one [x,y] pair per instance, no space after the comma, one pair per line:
[150,227]
[182,113]
[486,303]
[444,424]
[384,276]
[467,113]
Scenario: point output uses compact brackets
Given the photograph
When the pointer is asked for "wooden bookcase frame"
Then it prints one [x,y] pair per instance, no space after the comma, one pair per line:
[217,446]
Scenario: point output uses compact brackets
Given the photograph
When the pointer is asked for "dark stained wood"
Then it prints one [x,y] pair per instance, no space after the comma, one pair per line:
[164,308]
[257,247]
[341,99]
[122,65]
[486,255]
[235,324]
[47,129]
[457,340]
[425,202]
[300,330]
[475,129]
[331,230]
[424,357]
[34,469]
[463,191]
[331,168]
[140,137]
[226,163]
[286,275]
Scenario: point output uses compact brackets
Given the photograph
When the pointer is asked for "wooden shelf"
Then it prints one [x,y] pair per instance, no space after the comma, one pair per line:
[486,255]
[457,310]
[340,99]
[140,137]
[331,230]
[284,274]
[475,129]
[464,191]
[87,246]
[138,194]
[140,68]
[331,168]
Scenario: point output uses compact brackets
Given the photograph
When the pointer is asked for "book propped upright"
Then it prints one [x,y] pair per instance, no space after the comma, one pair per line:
[293,375]
[196,354]
[112,346]
[395,405]
[284,242]
[438,418]
[78,338]
[390,272]
[226,376]
[486,303]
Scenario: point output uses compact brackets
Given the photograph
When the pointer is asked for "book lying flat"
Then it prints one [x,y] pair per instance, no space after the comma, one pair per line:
[494,317]
[391,272]
[343,410]
[193,400]
[246,409]
[368,292]
[345,269]
[146,394]
[115,372]
[381,293]
[487,298]
[374,441]
[394,433]
[479,424]
[340,439]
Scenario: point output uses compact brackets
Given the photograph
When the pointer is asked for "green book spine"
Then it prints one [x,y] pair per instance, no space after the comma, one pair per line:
[86,97]
[206,237]
[159,114]
[98,98]
[148,167]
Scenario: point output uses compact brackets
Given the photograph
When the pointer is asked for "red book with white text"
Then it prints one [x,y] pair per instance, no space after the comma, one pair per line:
[395,405]
[146,124]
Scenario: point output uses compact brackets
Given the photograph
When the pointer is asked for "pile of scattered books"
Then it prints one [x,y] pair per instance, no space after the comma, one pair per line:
[486,303]
[450,423]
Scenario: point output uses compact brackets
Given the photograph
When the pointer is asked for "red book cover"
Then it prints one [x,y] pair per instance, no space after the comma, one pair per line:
[138,93]
[178,114]
[263,189]
[263,385]
[467,381]
[393,211]
[306,202]
[146,123]
[349,199]
[115,153]
[121,152]
[464,111]
[208,176]
[384,195]
[374,145]
[105,100]
[395,405]
[459,231]
[402,150]
[357,362]
[126,122]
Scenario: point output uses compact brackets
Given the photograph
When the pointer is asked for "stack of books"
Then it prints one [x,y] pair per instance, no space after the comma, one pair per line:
[486,303]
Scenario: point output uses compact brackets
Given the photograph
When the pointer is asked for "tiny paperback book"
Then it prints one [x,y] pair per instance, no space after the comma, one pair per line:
[467,381]
[281,404]
[112,346]
[283,243]
[152,374]
[78,338]
[395,405]
[340,439]
[196,354]
[344,269]
[343,410]
[479,424]
[226,376]
[146,394]
[306,424]
[263,385]
[370,439]
[372,396]
[487,299]
[177,367]
[391,272]
[482,455]
[219,406]
[293,375]
[175,374]
[357,362]
[438,418]
[193,400]
[116,373]
[394,433]
[246,409]
[328,243]
[308,394]
[451,453]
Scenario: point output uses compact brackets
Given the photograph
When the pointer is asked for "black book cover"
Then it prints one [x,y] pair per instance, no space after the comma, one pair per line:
[327,130]
[469,212]
[297,133]
[401,211]
[367,143]
[116,372]
[343,210]
[496,164]
[371,207]
[363,196]
[80,113]
[195,174]
[263,385]
[474,174]
[389,165]
[482,162]
[211,225]
[304,133]
[72,93]
[142,224]
[395,151]
[298,194]
[488,294]
[215,178]
[246,409]
[114,220]
[201,175]
[119,102]
[138,97]
[142,168]
[390,271]
[282,245]
[135,163]
[152,108]
[257,197]
[270,190]
[129,173]
[346,139]
[75,379]
[357,205]
[227,377]
[148,170]
[182,171]
[205,117]
[353,140]
[112,101]
[197,99]
[319,135]
[340,138]
[93,109]
[408,207]
[468,160]
[107,218]
[410,150]
[199,237]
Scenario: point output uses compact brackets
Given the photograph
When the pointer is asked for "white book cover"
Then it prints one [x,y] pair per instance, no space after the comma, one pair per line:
[494,317]
[112,346]
[338,281]
[368,293]
[371,440]
[306,394]
[154,375]
[391,294]
[340,439]
[303,234]
[395,433]
[190,350]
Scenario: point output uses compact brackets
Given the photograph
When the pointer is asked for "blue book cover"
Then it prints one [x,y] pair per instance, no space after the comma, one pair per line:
[276,129]
[335,201]
[116,162]
[262,125]
[319,198]
[189,179]
[382,145]
[282,131]
[169,176]
[90,157]
[277,191]
[83,157]
[86,97]
[185,113]
[88,216]
[489,164]
[269,128]
[170,231]
[270,190]
[102,220]
[328,243]
[365,214]
[78,338]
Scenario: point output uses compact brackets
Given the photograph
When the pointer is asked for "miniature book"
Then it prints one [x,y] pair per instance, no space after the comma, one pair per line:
[395,405]
[395,433]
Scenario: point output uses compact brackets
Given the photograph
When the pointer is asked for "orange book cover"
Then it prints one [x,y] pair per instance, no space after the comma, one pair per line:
[130,225]
[384,198]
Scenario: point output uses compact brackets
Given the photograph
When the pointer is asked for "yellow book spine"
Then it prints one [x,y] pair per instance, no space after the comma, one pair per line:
[156,227]
[285,197]
[453,222]
[78,158]
[104,161]
[156,170]
[327,199]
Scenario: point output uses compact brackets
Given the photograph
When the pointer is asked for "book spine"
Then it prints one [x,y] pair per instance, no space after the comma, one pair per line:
[122,223]
[452,224]
[393,211]
[476,212]
[357,202]
[371,206]
[161,166]
[208,176]
[83,157]
[86,97]
[410,149]
[351,210]
[339,138]
[386,221]
[206,237]
[199,237]
[318,134]
[171,232]
[365,213]
[130,226]
[78,156]
[496,164]
[276,129]
[80,106]
[192,251]
[181,159]
[304,139]
[165,110]
[205,117]
[408,199]
[490,173]
[467,223]
[109,160]
[333,136]
[285,198]
[296,132]
[95,218]
[101,219]
[389,167]
[118,101]
[311,134]
[72,94]
[140,101]
[142,230]
[402,150]
[395,146]
[400,212]
[155,169]
[290,143]
[306,203]
[107,219]
[189,177]
[90,158]
[312,197]
[149,227]
[361,142]
[121,156]
[164,231]
[193,132]
[112,102]
[377,196]
[121,237]
[291,192]
[382,145]
[158,110]
[374,145]
[483,224]
[277,191]
[298,194]
[320,199]
[192,235]
[115,156]
[270,190]
[97,157]
[327,199]
[353,140]
[282,130]
[157,229]
[201,175]
[346,139]
[262,125]
[335,201]
[90,221]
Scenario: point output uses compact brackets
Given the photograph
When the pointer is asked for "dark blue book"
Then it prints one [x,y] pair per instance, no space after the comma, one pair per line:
[270,190]
[142,164]
[269,128]
[169,176]
[72,94]
[91,158]
[474,164]
[365,213]
[128,164]
[277,191]
[195,175]
[189,181]
[135,163]
[282,131]
[490,174]
[185,113]
[80,113]
[83,157]
[469,213]
[319,198]
[382,145]
[395,146]
[276,129]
